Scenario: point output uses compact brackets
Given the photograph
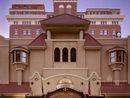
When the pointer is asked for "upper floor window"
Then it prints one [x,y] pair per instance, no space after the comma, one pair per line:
[38,31]
[115,22]
[103,22]
[113,32]
[103,32]
[15,22]
[117,55]
[19,56]
[73,55]
[61,9]
[57,55]
[26,22]
[93,32]
[65,55]
[93,22]
[69,8]
[16,32]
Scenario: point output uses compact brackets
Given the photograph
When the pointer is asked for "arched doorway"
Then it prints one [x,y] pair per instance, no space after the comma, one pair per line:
[65,93]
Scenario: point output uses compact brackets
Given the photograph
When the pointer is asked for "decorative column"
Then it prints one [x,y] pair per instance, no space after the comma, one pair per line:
[61,55]
[69,56]
[81,34]
[117,75]
[48,34]
[19,76]
[19,69]
[116,68]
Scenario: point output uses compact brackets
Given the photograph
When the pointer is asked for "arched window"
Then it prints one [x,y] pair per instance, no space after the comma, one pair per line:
[57,55]
[73,55]
[61,9]
[69,8]
[65,55]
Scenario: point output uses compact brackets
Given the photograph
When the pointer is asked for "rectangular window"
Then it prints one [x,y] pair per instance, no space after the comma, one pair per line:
[17,56]
[93,32]
[101,32]
[105,32]
[23,57]
[15,22]
[24,32]
[113,32]
[29,32]
[15,32]
[38,31]
[112,57]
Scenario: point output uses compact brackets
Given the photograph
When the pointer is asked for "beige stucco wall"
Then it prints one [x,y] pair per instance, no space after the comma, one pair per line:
[93,61]
[36,61]
[4,60]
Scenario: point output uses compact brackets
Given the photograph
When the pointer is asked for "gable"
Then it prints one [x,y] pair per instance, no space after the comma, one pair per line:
[65,19]
[91,42]
[39,42]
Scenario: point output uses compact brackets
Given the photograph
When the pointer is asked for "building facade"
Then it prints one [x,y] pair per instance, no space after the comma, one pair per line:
[64,53]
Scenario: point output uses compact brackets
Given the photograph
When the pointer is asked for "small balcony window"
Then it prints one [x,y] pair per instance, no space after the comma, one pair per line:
[117,55]
[19,56]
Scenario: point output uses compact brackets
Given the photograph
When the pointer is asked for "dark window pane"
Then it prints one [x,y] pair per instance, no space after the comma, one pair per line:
[73,55]
[17,56]
[65,55]
[119,56]
[57,55]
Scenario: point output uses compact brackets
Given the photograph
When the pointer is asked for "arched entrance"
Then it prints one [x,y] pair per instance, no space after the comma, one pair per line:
[65,93]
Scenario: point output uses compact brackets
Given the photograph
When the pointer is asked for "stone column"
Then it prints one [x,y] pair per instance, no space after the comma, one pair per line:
[61,55]
[48,34]
[69,56]
[81,34]
[117,75]
[19,69]
[19,76]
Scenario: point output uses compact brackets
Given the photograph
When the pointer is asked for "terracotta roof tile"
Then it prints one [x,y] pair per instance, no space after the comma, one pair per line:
[112,88]
[39,41]
[14,88]
[90,41]
[65,19]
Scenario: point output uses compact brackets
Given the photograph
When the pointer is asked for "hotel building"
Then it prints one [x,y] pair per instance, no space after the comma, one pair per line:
[64,53]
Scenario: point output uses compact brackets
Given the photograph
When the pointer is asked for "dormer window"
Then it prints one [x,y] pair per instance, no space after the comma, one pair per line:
[19,55]
[117,55]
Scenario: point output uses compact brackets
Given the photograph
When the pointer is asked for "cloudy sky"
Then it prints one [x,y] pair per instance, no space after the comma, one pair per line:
[124,5]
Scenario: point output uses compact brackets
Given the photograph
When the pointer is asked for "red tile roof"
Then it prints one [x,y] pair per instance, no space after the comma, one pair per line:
[14,88]
[112,88]
[90,41]
[65,19]
[39,41]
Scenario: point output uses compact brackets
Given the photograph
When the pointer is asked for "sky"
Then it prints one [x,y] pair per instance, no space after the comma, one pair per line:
[124,5]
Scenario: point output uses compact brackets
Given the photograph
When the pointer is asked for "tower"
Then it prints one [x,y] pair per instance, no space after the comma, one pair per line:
[65,6]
